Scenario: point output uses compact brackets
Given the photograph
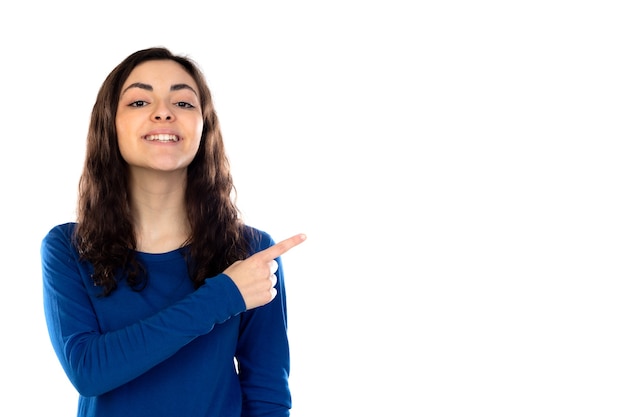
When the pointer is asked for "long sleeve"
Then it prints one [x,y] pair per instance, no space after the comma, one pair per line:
[263,354]
[99,360]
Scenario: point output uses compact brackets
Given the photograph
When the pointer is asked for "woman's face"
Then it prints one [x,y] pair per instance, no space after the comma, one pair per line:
[159,117]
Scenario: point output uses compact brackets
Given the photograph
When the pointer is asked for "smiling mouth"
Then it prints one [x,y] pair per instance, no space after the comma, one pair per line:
[162,138]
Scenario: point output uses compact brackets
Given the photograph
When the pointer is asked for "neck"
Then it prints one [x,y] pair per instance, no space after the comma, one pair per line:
[159,211]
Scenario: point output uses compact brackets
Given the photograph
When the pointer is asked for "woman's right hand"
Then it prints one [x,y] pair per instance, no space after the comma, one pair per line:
[255,276]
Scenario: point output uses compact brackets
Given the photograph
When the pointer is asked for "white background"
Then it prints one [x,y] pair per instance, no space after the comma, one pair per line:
[458,167]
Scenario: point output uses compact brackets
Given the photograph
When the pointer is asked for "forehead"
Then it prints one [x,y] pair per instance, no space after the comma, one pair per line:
[162,73]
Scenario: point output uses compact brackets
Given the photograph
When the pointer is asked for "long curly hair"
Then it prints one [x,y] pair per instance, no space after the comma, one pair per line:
[104,234]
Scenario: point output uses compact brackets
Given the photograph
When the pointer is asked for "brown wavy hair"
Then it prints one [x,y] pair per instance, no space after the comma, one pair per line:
[104,234]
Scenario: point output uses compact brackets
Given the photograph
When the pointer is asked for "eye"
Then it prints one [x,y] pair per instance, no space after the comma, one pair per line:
[138,103]
[184,105]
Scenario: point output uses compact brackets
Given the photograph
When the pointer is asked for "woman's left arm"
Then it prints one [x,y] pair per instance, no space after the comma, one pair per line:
[263,354]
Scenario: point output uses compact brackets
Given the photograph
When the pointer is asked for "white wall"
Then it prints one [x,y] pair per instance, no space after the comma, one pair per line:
[458,167]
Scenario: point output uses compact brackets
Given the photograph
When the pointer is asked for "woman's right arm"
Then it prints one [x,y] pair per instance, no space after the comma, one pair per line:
[96,361]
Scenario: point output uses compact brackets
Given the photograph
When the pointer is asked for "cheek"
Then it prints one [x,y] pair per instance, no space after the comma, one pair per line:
[124,148]
[123,141]
[197,134]
[124,129]
[199,126]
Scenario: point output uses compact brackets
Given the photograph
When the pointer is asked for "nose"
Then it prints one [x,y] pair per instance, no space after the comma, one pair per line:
[162,113]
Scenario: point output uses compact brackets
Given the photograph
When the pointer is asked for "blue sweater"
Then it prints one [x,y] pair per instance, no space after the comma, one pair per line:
[168,350]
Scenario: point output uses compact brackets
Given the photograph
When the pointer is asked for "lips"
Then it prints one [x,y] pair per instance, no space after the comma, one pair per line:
[162,138]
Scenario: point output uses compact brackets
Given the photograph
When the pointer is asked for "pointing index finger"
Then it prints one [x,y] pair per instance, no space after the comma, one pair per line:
[281,247]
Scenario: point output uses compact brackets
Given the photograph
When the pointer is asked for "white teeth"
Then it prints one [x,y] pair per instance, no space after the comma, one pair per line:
[163,138]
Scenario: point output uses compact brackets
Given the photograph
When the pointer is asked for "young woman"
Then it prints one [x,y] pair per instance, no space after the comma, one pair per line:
[159,300]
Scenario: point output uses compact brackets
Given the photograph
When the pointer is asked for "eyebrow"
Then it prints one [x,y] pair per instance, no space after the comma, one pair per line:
[148,87]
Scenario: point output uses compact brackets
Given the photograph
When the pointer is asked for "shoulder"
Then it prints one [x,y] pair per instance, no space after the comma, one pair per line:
[258,239]
[61,231]
[59,236]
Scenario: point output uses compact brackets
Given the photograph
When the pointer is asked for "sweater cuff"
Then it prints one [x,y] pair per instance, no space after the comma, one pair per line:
[231,296]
